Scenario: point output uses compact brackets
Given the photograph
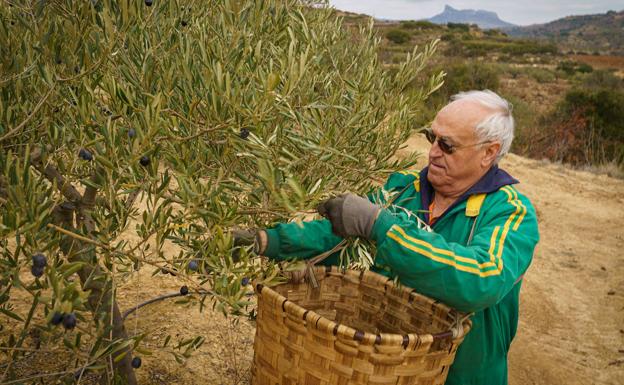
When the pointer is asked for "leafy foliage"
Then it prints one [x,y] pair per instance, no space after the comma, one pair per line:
[398,36]
[586,126]
[210,115]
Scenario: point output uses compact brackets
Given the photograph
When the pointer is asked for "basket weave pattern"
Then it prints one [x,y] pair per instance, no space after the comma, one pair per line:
[356,328]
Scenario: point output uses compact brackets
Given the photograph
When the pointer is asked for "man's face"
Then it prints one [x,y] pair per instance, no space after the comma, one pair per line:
[452,174]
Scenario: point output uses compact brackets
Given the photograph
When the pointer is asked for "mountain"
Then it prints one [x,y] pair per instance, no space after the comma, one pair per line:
[599,33]
[484,19]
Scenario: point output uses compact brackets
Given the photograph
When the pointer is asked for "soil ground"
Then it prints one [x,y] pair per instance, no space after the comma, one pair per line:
[572,303]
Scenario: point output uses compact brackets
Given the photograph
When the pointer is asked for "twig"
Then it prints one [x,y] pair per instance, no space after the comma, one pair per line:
[156,299]
[159,298]
[24,380]
[10,78]
[34,111]
[78,236]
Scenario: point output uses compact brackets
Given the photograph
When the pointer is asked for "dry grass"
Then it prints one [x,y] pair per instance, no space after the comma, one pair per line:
[602,62]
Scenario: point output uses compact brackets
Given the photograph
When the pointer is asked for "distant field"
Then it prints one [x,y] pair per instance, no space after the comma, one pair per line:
[601,62]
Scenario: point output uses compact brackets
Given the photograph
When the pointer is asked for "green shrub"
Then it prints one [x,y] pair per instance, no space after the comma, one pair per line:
[398,36]
[511,47]
[571,67]
[448,37]
[471,76]
[541,75]
[494,33]
[584,68]
[459,26]
[568,67]
[420,24]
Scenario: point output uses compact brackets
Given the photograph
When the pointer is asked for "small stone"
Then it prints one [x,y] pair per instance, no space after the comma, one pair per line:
[184,290]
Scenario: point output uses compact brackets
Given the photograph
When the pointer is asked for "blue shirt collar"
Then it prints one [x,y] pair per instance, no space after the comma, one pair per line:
[493,180]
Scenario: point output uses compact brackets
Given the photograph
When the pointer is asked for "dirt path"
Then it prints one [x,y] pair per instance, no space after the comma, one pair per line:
[572,305]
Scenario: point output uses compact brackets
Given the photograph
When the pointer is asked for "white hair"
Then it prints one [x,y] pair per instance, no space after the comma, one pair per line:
[499,125]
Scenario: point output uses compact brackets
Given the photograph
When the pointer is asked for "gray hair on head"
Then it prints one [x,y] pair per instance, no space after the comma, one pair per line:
[499,125]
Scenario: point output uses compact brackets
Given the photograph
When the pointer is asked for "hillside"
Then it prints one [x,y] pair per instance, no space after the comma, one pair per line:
[600,33]
[484,19]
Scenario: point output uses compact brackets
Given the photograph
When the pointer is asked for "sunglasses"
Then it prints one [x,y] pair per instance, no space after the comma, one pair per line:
[445,146]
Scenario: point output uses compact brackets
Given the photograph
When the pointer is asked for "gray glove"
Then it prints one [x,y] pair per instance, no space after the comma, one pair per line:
[246,237]
[350,215]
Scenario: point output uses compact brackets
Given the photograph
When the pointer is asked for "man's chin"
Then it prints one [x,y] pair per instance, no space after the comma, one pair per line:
[436,175]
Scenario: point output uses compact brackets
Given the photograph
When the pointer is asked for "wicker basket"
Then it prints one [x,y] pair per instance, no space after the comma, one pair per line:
[355,328]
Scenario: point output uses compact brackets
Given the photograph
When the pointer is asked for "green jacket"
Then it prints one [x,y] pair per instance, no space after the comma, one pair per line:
[483,277]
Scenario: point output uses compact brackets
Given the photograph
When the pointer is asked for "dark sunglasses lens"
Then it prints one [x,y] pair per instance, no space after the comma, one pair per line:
[445,147]
[430,136]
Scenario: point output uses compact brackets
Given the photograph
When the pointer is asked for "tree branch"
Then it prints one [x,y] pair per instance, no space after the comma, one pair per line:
[95,280]
[52,174]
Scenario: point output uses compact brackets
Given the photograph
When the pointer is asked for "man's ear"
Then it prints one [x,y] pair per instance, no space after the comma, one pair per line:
[491,152]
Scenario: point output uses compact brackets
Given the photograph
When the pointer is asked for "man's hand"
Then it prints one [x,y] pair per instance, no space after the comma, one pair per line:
[247,237]
[350,215]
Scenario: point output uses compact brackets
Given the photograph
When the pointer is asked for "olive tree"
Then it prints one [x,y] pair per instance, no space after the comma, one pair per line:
[174,122]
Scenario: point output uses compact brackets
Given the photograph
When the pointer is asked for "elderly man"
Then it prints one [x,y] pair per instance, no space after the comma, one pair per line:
[484,230]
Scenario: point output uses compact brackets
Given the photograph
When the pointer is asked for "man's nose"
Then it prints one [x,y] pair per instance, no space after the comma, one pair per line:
[435,151]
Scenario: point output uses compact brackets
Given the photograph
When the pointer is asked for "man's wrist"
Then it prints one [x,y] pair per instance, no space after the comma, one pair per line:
[261,242]
[384,221]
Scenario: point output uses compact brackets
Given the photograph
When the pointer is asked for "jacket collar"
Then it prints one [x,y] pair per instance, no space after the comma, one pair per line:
[492,181]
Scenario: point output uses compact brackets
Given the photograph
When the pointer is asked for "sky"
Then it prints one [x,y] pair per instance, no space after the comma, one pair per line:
[513,11]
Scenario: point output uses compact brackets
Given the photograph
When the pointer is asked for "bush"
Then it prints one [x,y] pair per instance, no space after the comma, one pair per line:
[541,75]
[470,76]
[420,24]
[584,68]
[587,127]
[494,33]
[571,67]
[602,79]
[459,26]
[511,47]
[398,36]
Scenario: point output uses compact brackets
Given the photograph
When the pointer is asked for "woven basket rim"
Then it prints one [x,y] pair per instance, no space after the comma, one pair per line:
[322,324]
